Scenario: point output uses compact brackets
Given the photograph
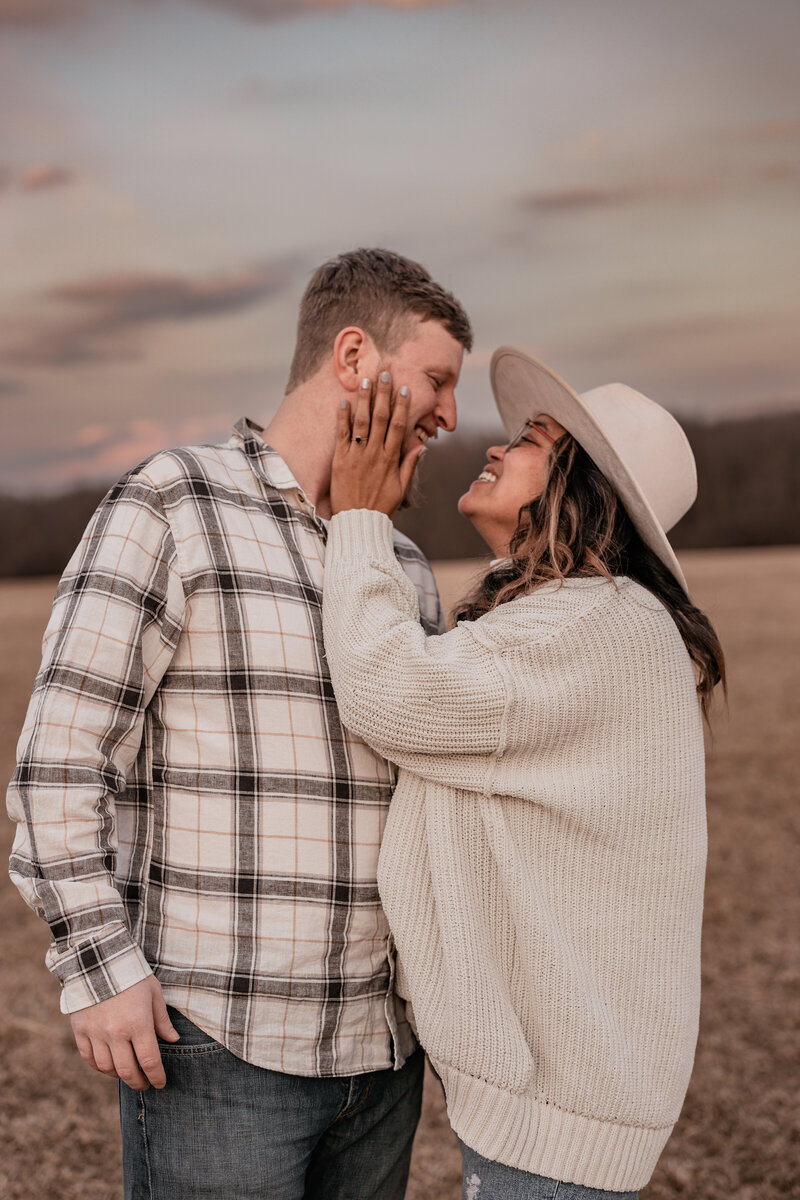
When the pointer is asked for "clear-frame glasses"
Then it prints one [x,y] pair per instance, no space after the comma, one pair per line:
[520,435]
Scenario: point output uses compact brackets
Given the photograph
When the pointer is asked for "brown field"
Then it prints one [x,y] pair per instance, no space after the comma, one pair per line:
[739,1135]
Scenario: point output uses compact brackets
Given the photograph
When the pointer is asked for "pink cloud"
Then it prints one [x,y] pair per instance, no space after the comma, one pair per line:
[770,131]
[45,175]
[41,12]
[270,10]
[126,443]
[50,12]
[92,435]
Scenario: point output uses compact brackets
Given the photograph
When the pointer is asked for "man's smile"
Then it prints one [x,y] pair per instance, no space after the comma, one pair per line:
[424,434]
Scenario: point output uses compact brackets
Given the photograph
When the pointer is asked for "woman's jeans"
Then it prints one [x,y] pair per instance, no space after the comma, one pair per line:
[223,1129]
[487,1180]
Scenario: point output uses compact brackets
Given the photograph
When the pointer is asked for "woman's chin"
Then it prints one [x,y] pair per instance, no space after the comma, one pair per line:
[464,507]
[469,510]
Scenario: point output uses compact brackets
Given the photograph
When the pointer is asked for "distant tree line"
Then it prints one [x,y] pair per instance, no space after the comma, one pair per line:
[747,469]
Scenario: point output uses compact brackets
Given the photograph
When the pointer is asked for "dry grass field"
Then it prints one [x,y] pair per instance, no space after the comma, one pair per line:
[738,1137]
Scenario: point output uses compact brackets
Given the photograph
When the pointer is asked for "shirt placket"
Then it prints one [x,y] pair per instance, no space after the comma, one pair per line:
[261,461]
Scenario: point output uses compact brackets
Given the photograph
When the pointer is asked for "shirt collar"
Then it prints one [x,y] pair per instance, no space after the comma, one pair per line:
[265,461]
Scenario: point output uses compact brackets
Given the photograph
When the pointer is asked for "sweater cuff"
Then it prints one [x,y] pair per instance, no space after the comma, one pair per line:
[360,534]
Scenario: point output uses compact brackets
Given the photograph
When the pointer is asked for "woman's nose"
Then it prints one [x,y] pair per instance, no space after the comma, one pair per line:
[496,453]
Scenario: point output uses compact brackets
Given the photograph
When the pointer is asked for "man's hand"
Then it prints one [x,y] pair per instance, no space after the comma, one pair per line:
[118,1036]
[369,469]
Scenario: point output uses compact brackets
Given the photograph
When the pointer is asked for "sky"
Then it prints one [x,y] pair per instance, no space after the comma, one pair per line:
[613,185]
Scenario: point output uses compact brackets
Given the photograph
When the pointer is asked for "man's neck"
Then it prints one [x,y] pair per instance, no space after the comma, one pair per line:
[303,431]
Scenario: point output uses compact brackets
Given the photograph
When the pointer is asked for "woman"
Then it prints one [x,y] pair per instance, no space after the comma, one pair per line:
[542,865]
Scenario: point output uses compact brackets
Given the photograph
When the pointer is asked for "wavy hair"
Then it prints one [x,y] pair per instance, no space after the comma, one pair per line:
[578,526]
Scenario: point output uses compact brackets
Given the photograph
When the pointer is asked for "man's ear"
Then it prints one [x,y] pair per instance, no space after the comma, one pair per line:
[350,349]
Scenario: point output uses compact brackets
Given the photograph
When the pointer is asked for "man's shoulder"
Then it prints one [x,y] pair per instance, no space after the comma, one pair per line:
[408,551]
[184,464]
[419,571]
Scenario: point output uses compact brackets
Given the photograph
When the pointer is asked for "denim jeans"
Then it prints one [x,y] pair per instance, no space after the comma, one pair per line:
[223,1129]
[487,1180]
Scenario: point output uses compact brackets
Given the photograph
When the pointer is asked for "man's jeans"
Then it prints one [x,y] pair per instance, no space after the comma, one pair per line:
[223,1129]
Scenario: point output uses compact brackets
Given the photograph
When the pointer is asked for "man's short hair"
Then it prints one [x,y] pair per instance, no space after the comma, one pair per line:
[378,291]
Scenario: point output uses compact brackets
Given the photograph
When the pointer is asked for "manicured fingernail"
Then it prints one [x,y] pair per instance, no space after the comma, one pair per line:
[404,391]
[343,404]
[385,377]
[365,383]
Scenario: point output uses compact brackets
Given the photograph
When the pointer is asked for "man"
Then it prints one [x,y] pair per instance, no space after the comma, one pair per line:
[193,821]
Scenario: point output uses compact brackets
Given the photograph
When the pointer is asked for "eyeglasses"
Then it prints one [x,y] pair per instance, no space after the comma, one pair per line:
[520,436]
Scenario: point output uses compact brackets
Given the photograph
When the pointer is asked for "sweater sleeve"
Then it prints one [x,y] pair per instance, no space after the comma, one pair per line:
[415,699]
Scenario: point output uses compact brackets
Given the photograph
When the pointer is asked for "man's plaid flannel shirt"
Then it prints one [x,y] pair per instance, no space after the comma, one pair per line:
[186,797]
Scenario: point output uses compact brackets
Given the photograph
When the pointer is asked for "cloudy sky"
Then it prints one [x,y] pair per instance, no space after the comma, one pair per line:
[612,184]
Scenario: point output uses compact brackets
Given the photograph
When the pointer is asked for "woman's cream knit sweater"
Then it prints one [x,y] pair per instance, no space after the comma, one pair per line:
[542,865]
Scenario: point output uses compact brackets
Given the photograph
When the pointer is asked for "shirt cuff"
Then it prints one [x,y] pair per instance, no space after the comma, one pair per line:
[105,980]
[361,534]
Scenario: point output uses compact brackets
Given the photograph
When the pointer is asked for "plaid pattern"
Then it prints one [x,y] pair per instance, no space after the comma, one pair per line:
[186,797]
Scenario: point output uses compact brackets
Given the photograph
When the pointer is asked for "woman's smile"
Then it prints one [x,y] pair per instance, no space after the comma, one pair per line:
[514,475]
[486,476]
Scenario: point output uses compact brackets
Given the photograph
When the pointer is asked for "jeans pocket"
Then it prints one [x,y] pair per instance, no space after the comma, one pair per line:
[191,1035]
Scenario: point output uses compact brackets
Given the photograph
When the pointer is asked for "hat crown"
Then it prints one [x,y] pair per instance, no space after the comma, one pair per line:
[638,445]
[652,446]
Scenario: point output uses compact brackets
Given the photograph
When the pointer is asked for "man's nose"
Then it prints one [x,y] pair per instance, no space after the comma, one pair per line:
[445,411]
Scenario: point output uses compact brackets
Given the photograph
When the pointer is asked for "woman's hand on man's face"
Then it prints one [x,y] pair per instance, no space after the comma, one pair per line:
[369,469]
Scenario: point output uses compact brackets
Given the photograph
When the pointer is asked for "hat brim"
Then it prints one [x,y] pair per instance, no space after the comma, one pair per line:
[524,388]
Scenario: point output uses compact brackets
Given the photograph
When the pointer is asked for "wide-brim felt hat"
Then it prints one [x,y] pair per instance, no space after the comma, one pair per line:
[638,445]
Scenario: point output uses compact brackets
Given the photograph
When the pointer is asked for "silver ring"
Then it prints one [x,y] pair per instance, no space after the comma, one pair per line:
[357,441]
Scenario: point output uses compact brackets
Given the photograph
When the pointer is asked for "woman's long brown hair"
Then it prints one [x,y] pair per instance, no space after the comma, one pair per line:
[579,527]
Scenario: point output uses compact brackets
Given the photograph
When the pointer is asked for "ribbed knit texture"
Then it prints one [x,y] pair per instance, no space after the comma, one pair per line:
[542,866]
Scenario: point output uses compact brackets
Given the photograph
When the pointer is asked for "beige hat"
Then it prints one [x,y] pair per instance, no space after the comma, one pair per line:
[639,446]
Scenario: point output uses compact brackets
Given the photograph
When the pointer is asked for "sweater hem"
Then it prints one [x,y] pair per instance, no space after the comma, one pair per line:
[527,1133]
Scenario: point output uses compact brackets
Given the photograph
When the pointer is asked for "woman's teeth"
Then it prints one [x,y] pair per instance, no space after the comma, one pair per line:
[487,477]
